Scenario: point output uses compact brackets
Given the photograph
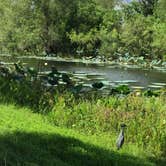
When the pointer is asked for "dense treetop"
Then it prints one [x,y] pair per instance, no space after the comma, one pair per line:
[109,28]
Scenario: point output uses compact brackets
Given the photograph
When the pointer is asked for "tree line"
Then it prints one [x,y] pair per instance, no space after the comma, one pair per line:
[109,28]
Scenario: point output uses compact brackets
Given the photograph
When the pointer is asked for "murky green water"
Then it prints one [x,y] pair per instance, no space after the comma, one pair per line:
[110,75]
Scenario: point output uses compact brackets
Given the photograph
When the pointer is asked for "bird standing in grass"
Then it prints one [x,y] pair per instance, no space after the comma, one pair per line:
[120,140]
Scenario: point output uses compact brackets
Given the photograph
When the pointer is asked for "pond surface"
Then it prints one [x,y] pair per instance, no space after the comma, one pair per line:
[110,75]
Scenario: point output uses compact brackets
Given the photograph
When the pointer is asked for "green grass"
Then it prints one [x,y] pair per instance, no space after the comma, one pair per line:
[29,139]
[88,114]
[145,118]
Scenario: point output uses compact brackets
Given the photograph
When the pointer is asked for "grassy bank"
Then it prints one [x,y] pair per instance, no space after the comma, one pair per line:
[28,139]
[144,116]
[88,113]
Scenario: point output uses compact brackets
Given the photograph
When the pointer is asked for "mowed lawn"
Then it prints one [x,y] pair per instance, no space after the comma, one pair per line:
[27,139]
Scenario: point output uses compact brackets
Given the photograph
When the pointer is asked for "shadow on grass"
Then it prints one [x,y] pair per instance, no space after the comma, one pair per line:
[32,149]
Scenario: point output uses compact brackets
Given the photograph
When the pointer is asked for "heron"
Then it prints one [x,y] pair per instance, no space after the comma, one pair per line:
[120,140]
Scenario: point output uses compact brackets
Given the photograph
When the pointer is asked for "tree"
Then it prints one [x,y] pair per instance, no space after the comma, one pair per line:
[131,9]
[110,33]
[160,11]
[20,27]
[148,6]
[84,34]
[137,36]
[107,4]
[159,38]
[87,27]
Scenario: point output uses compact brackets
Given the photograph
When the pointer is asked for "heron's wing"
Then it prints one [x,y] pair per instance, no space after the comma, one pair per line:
[120,140]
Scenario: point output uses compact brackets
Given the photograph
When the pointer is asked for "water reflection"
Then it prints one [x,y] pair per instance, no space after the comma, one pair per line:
[110,75]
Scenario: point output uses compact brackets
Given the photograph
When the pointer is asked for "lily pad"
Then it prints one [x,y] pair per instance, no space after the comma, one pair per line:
[122,89]
[97,85]
[87,85]
[159,84]
[126,81]
[154,86]
[137,87]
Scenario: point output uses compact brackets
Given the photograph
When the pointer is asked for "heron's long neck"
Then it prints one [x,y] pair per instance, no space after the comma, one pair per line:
[122,131]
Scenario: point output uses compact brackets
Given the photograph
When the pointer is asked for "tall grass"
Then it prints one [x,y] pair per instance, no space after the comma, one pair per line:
[145,118]
[27,139]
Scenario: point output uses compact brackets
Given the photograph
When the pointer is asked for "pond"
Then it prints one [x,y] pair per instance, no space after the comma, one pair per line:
[110,74]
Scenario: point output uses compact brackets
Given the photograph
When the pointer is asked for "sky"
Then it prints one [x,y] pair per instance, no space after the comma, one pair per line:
[117,7]
[127,1]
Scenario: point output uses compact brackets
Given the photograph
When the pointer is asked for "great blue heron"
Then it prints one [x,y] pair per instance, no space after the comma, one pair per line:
[120,140]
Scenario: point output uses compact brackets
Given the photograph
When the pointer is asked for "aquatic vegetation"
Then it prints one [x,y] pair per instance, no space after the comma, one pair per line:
[97,85]
[67,105]
[154,93]
[74,83]
[121,89]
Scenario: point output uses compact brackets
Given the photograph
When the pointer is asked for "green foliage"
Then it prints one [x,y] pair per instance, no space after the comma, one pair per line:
[148,6]
[20,27]
[150,93]
[159,44]
[88,27]
[160,10]
[109,34]
[143,116]
[122,89]
[137,36]
[97,85]
[84,35]
[26,137]
[132,9]
[107,4]
[86,42]
[64,107]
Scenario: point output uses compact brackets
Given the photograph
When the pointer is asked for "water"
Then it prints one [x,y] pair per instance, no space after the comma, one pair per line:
[110,75]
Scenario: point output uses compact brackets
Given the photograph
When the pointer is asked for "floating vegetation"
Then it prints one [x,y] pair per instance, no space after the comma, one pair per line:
[87,85]
[96,74]
[62,83]
[27,86]
[126,81]
[131,66]
[107,83]
[80,74]
[137,87]
[80,77]
[155,86]
[76,89]
[159,83]
[121,89]
[150,93]
[99,78]
[97,85]
[88,76]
